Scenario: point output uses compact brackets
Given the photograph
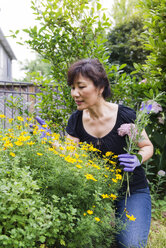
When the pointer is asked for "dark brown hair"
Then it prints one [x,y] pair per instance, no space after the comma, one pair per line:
[93,69]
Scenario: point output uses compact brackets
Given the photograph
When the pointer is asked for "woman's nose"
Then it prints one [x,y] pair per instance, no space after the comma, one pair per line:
[75,92]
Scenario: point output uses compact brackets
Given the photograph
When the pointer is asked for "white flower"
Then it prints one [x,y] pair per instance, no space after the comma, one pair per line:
[161,173]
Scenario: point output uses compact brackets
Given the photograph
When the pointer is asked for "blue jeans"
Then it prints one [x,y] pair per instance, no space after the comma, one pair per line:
[136,232]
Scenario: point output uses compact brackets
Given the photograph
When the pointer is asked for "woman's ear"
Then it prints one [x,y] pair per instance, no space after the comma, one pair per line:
[101,91]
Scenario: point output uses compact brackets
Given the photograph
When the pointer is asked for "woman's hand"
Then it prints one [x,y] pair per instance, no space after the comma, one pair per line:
[45,130]
[129,161]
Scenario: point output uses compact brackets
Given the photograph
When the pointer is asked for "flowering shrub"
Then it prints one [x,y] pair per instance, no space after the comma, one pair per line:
[54,197]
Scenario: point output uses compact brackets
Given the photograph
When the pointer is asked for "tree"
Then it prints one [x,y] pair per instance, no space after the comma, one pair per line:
[68,31]
[123,11]
[154,70]
[125,43]
[35,66]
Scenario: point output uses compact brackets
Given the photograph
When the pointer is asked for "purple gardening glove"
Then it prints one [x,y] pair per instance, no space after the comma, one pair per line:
[129,161]
[45,130]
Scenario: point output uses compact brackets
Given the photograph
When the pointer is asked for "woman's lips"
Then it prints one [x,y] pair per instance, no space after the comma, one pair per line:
[78,102]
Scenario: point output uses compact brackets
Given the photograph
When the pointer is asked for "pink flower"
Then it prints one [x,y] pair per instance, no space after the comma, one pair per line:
[127,129]
[156,107]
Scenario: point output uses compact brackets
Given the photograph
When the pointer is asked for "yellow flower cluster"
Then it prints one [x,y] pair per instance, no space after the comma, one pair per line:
[109,196]
[90,212]
[90,177]
[67,151]
[91,163]
[70,159]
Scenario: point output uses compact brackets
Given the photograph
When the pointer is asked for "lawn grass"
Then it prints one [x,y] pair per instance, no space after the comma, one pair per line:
[157,235]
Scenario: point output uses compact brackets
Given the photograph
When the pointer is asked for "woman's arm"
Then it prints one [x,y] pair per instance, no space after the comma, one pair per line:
[146,147]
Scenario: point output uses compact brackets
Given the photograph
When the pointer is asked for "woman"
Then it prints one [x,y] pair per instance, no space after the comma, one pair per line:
[96,121]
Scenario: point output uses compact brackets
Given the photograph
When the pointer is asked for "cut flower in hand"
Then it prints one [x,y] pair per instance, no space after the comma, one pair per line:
[133,132]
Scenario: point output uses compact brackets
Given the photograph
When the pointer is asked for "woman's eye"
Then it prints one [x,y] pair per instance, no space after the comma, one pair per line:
[81,87]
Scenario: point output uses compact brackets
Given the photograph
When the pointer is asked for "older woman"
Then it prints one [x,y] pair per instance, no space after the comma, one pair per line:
[96,121]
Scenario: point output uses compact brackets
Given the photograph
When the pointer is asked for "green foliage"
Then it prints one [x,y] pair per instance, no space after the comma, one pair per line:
[125,44]
[17,104]
[123,11]
[67,31]
[131,91]
[154,70]
[154,21]
[38,65]
[54,197]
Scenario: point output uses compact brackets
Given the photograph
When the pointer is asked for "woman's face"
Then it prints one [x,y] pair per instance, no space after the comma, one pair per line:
[85,93]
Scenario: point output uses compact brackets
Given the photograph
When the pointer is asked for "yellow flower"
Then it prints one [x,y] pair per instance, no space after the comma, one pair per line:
[106,176]
[29,119]
[132,218]
[90,177]
[84,214]
[19,118]
[95,166]
[114,180]
[89,211]
[8,144]
[10,130]
[62,155]
[70,159]
[10,120]
[30,143]
[2,116]
[76,155]
[78,166]
[79,161]
[55,152]
[112,162]
[24,138]
[44,125]
[39,154]
[12,154]
[118,176]
[18,143]
[108,154]
[5,138]
[19,127]
[97,219]
[84,155]
[55,136]
[51,149]
[23,133]
[61,148]
[105,196]
[113,196]
[70,148]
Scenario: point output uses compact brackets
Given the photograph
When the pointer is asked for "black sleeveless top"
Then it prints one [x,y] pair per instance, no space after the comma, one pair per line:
[110,142]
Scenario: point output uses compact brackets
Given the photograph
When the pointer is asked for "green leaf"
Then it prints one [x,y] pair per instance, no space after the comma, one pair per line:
[42,239]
